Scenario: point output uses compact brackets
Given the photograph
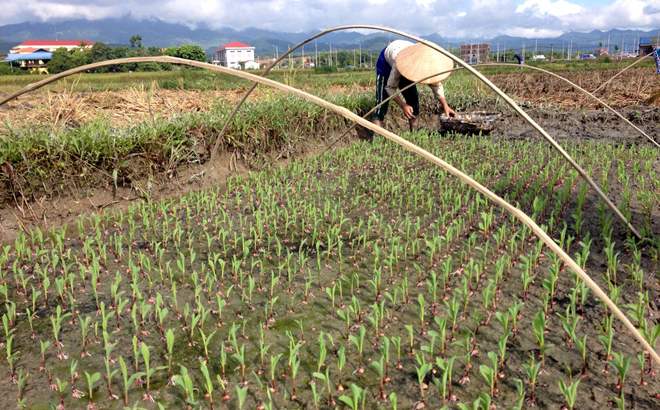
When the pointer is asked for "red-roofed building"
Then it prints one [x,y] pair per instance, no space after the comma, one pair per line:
[233,55]
[51,45]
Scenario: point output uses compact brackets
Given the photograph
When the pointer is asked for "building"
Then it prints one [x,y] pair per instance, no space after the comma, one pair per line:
[251,65]
[30,46]
[475,53]
[233,55]
[648,44]
[35,61]
[601,51]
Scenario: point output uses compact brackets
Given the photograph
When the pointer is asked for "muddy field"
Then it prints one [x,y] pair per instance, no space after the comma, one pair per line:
[635,87]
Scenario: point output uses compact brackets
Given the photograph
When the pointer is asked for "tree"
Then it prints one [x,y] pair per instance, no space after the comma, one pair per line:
[100,51]
[79,57]
[187,51]
[59,61]
[616,48]
[135,40]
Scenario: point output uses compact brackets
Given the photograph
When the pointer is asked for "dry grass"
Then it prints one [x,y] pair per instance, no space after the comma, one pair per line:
[125,107]
[631,88]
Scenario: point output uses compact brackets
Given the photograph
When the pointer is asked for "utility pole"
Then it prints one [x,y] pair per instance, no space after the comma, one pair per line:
[478,48]
[523,51]
[608,43]
[498,50]
[303,57]
[552,51]
[623,45]
[360,44]
[536,46]
[316,52]
[353,57]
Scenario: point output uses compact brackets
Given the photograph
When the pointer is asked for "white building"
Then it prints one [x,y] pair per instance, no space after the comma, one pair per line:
[251,65]
[234,54]
[30,46]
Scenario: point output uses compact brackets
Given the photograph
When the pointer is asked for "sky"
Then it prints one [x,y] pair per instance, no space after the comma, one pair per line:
[449,18]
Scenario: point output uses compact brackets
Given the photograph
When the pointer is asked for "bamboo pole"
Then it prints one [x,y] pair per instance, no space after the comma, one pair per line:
[549,242]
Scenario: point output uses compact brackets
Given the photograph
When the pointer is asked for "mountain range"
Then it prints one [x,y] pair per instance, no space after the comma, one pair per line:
[161,34]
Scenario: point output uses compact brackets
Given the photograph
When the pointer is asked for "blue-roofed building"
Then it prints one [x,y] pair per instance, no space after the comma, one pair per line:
[647,45]
[36,61]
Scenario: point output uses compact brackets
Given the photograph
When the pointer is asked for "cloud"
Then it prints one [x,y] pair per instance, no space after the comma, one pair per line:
[650,9]
[472,19]
[542,8]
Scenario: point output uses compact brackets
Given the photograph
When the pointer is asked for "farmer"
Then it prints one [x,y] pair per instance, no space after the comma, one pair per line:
[520,59]
[400,64]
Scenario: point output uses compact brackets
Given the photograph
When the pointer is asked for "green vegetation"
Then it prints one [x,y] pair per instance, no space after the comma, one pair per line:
[64,59]
[245,268]
[98,152]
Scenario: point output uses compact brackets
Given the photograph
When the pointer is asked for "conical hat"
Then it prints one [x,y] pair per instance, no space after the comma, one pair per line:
[420,61]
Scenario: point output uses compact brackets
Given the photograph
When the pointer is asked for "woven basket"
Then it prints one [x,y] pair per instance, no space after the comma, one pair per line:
[470,123]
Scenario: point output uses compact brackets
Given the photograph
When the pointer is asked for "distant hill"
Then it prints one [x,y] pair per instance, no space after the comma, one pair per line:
[161,34]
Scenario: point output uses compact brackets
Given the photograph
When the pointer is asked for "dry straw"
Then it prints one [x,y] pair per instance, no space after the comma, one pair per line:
[549,242]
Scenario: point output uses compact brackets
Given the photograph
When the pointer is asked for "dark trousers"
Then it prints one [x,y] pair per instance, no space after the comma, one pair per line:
[410,96]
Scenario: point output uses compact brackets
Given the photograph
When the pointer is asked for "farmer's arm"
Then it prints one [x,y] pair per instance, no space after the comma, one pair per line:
[439,94]
[391,88]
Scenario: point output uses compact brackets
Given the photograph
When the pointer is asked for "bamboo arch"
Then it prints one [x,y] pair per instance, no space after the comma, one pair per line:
[466,66]
[549,242]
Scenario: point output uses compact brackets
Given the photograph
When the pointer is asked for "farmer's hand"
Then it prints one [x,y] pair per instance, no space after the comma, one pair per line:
[407,111]
[449,112]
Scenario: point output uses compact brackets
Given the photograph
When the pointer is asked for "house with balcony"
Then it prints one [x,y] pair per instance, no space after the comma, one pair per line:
[234,55]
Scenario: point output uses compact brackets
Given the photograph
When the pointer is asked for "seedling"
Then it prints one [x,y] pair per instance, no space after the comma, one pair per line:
[569,392]
[326,378]
[446,366]
[539,330]
[358,396]
[490,373]
[620,363]
[378,366]
[90,385]
[128,381]
[341,361]
[532,370]
[359,343]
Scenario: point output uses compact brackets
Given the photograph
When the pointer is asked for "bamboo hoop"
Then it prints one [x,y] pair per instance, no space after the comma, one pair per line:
[549,242]
[474,72]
